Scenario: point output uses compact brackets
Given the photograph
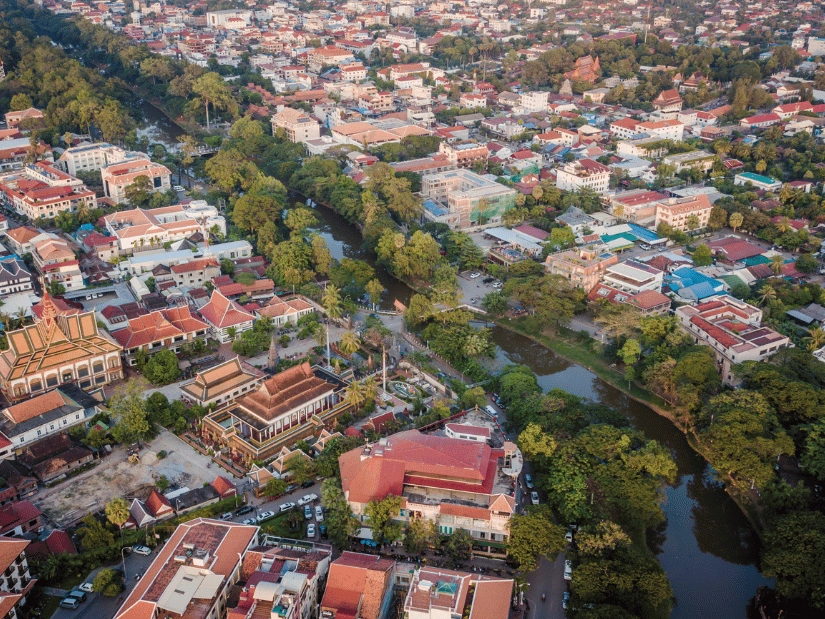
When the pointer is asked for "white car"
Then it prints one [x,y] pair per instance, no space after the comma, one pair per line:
[287,506]
[87,587]
[474,275]
[178,188]
[265,516]
[250,521]
[568,570]
[142,550]
[310,530]
[569,537]
[319,513]
[534,498]
[307,498]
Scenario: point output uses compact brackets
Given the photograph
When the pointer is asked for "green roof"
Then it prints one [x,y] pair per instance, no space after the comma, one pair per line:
[754,260]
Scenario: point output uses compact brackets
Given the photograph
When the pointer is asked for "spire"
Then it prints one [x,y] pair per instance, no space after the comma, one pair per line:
[49,309]
[273,357]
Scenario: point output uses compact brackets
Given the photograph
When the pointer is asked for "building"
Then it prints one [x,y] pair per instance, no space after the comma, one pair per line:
[55,261]
[222,383]
[93,157]
[437,593]
[464,154]
[14,277]
[685,214]
[195,273]
[118,176]
[586,69]
[633,277]
[18,519]
[760,121]
[16,120]
[732,329]
[582,267]
[534,101]
[668,102]
[698,160]
[584,174]
[757,180]
[48,413]
[227,319]
[17,583]
[359,586]
[457,483]
[284,310]
[466,432]
[668,129]
[816,46]
[647,303]
[167,329]
[15,151]
[192,574]
[650,148]
[282,579]
[462,199]
[636,205]
[41,191]
[287,407]
[298,126]
[146,229]
[328,56]
[59,348]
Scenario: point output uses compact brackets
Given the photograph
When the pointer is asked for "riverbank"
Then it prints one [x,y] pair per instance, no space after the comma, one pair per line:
[572,347]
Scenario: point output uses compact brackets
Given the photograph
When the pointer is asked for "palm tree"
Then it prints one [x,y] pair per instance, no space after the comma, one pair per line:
[777,262]
[355,395]
[768,295]
[349,343]
[20,315]
[370,388]
[83,211]
[474,345]
[117,512]
[815,339]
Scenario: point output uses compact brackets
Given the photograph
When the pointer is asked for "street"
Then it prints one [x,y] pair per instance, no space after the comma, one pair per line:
[548,578]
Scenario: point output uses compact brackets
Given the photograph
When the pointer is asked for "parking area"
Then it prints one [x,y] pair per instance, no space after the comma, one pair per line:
[121,295]
[475,288]
[116,476]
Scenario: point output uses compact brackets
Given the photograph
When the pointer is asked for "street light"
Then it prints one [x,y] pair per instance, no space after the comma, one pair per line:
[123,558]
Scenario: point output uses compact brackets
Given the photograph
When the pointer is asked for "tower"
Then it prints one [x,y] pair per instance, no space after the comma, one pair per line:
[273,357]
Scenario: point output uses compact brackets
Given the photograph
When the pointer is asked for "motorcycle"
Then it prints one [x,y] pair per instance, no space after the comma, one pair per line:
[543,596]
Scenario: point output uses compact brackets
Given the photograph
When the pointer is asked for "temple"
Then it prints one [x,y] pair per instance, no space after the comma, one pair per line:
[292,405]
[586,70]
[61,347]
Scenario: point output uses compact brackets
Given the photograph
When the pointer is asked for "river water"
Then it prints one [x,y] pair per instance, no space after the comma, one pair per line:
[707,548]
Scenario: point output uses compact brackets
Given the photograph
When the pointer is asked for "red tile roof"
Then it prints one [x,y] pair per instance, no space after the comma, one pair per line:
[220,312]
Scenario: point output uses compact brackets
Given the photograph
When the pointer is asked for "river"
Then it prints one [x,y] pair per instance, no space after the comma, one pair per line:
[707,548]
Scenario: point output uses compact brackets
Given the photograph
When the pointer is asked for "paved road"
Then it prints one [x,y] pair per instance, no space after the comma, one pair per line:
[548,578]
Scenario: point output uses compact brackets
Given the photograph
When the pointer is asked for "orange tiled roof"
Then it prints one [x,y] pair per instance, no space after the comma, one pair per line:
[284,392]
[220,312]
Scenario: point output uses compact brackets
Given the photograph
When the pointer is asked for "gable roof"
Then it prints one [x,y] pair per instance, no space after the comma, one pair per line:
[221,313]
[284,392]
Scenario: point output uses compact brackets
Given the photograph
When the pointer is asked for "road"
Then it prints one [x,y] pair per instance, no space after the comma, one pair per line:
[548,578]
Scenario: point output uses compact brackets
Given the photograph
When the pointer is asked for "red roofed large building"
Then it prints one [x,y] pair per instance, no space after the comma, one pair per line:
[454,482]
[42,191]
[679,213]
[166,329]
[118,176]
[227,319]
[195,272]
[294,404]
[282,311]
[17,582]
[435,592]
[732,329]
[668,102]
[359,586]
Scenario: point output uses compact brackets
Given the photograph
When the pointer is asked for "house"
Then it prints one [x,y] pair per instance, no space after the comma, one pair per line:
[668,102]
[17,519]
[285,408]
[284,310]
[67,347]
[760,121]
[633,277]
[298,126]
[647,302]
[732,329]
[457,483]
[584,174]
[195,273]
[14,277]
[56,262]
[17,583]
[757,180]
[576,219]
[222,383]
[118,176]
[53,457]
[227,319]
[193,572]
[167,329]
[636,205]
[734,249]
[685,214]
[582,267]
[49,413]
[435,591]
[358,585]
[16,120]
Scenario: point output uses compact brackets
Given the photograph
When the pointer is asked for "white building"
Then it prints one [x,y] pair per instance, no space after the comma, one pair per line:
[93,157]
[534,101]
[298,126]
[633,277]
[584,174]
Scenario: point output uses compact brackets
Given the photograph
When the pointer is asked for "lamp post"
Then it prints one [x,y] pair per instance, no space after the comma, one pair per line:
[123,559]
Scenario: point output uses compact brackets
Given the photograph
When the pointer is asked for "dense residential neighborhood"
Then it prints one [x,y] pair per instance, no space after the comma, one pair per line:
[319,310]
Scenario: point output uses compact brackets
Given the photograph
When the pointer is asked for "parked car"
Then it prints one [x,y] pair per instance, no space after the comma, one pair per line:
[528,479]
[565,599]
[69,602]
[77,593]
[246,509]
[250,521]
[310,530]
[568,570]
[308,484]
[142,550]
[87,587]
[287,506]
[569,537]
[227,516]
[534,498]
[488,280]
[319,513]
[474,275]
[265,516]
[307,512]
[291,488]
[307,498]
[178,188]
[323,529]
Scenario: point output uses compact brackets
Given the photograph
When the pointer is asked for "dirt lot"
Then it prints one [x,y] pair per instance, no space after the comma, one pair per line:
[115,476]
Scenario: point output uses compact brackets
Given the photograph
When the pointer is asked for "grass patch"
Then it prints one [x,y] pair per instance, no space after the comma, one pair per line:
[70,580]
[277,525]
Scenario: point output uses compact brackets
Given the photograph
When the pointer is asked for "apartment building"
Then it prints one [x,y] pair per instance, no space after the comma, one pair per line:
[193,573]
[118,176]
[195,272]
[55,260]
[457,483]
[648,148]
[678,213]
[460,199]
[584,174]
[329,55]
[464,154]
[582,267]
[700,160]
[670,129]
[167,329]
[41,191]
[93,157]
[636,205]
[534,101]
[757,180]
[436,593]
[633,277]
[298,126]
[353,72]
[732,329]
[139,229]
[16,583]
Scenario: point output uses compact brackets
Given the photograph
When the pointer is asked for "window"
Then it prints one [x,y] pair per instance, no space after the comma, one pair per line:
[51,381]
[84,371]
[97,367]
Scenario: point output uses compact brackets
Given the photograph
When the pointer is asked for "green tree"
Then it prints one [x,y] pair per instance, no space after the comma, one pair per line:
[534,535]
[275,487]
[139,193]
[630,351]
[374,290]
[19,102]
[93,535]
[162,368]
[535,443]
[794,553]
[458,546]
[300,219]
[108,582]
[420,535]
[341,523]
[301,469]
[212,90]
[735,220]
[813,454]
[381,518]
[117,512]
[806,263]
[702,256]
[349,343]
[128,408]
